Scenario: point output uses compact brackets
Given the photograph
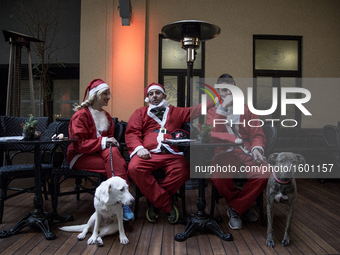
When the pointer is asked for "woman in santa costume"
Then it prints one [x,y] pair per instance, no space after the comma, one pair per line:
[147,128]
[239,201]
[93,129]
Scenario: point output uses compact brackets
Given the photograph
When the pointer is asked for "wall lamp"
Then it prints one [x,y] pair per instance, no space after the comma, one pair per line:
[125,11]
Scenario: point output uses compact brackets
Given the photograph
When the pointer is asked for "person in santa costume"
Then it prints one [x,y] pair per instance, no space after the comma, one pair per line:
[254,140]
[147,128]
[93,129]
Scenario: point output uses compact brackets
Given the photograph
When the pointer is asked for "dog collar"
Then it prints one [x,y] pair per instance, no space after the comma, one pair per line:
[279,181]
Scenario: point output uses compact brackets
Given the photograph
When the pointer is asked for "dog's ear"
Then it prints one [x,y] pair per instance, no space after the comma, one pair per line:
[300,158]
[105,193]
[272,158]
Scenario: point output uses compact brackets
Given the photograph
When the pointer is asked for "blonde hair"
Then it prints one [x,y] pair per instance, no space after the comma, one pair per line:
[89,101]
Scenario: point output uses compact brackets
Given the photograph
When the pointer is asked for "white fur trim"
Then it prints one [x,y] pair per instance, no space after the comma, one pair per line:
[160,136]
[171,150]
[100,120]
[135,150]
[221,111]
[156,87]
[163,104]
[259,148]
[104,138]
[146,100]
[238,140]
[99,87]
[74,160]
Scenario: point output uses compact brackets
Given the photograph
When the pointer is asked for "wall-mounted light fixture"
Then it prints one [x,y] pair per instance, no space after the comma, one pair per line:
[125,11]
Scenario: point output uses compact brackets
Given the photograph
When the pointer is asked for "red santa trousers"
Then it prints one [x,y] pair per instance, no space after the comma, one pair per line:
[100,162]
[177,172]
[240,200]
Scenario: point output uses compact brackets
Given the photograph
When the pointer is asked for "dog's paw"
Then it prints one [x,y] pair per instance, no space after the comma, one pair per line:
[285,242]
[81,236]
[91,240]
[124,240]
[270,243]
[99,241]
[95,240]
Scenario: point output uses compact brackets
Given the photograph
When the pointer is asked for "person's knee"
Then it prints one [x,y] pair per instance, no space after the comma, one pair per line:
[216,182]
[186,174]
[116,152]
[111,151]
[132,168]
[264,182]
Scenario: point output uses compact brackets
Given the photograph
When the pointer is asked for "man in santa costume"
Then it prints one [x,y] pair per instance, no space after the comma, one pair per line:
[93,129]
[147,128]
[254,140]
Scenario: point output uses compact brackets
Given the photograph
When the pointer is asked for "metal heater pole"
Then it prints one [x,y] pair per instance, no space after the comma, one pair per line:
[10,77]
[190,64]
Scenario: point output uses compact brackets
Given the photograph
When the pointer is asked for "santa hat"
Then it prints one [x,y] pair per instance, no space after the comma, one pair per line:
[151,87]
[94,86]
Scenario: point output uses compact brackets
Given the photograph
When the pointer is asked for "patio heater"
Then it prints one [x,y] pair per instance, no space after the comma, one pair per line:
[190,33]
[20,62]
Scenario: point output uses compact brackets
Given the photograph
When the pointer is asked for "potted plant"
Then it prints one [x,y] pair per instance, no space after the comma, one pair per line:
[204,133]
[28,128]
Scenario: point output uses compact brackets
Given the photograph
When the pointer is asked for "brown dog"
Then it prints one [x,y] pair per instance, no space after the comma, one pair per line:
[281,188]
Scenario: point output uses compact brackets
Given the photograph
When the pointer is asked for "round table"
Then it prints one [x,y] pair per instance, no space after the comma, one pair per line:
[39,218]
[201,221]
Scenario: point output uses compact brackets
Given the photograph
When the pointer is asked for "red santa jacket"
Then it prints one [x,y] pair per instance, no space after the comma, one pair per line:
[83,128]
[253,137]
[143,122]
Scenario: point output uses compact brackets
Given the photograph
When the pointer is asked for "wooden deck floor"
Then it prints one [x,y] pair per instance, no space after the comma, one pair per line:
[315,228]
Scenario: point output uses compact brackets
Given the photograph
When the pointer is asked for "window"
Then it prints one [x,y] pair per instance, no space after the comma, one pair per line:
[276,63]
[173,70]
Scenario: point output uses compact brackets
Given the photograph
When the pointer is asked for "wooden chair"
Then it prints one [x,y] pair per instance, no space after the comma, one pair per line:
[160,175]
[271,136]
[10,126]
[331,135]
[63,172]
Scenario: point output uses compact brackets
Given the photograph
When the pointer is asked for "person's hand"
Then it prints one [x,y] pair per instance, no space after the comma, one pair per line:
[227,101]
[143,153]
[111,140]
[257,155]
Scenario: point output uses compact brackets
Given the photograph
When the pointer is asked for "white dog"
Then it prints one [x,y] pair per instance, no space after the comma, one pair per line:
[109,199]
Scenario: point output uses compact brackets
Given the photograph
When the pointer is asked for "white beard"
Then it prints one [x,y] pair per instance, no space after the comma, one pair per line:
[100,120]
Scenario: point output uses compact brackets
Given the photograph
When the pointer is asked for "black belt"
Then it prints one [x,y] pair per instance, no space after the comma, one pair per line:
[161,130]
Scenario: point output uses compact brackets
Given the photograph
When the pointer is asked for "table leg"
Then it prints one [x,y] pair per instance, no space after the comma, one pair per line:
[202,221]
[55,217]
[38,218]
[31,221]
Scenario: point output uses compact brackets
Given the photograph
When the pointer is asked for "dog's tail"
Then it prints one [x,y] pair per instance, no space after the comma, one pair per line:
[75,228]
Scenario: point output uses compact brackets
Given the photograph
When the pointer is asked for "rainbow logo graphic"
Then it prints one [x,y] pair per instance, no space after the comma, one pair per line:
[204,97]
[209,93]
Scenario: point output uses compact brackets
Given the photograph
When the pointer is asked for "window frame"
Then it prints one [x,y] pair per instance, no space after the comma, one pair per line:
[276,74]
